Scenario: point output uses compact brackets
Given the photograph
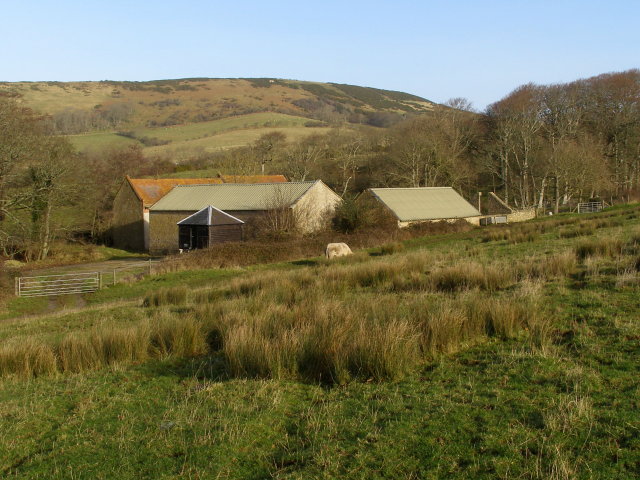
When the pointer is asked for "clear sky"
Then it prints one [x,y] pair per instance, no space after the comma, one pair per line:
[479,49]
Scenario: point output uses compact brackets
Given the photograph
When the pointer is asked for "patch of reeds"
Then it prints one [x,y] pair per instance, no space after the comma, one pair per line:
[165,336]
[599,247]
[391,248]
[466,276]
[167,296]
[26,357]
[382,337]
[580,230]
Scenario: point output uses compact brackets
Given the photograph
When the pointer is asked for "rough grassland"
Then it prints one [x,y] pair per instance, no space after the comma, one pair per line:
[233,131]
[509,401]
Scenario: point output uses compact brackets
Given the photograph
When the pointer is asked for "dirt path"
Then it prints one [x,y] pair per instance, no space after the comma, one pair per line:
[106,266]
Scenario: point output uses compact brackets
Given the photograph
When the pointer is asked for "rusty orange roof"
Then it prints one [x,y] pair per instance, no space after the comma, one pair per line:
[253,178]
[150,190]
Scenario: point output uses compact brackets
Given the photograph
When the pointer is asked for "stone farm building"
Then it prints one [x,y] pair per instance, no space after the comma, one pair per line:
[310,203]
[130,226]
[424,204]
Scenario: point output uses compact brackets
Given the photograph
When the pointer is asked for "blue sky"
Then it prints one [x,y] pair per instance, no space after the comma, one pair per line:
[480,50]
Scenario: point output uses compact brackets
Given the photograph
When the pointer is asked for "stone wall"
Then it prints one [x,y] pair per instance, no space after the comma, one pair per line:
[521,215]
[128,222]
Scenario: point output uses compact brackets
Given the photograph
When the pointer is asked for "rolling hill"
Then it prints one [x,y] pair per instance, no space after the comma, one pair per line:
[173,115]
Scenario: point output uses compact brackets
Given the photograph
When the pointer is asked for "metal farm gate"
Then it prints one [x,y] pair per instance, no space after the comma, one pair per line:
[58,284]
[590,207]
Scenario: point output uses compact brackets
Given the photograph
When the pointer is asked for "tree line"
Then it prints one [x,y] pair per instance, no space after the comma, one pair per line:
[542,146]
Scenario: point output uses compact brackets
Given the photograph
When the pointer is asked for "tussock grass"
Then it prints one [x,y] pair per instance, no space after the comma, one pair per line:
[323,339]
[26,357]
[167,296]
[467,276]
[165,336]
[391,248]
[599,247]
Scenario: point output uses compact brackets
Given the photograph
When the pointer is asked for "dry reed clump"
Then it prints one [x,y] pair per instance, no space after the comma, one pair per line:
[80,352]
[583,229]
[379,336]
[167,296]
[467,276]
[599,247]
[175,337]
[27,357]
[495,234]
[553,266]
[391,248]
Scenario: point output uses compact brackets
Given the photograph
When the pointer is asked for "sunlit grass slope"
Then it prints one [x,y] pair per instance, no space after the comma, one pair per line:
[507,352]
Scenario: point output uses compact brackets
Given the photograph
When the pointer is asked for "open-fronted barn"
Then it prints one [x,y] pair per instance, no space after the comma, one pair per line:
[130,226]
[308,204]
[208,227]
[424,204]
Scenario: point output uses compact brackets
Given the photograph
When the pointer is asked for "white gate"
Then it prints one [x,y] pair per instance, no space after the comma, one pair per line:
[590,207]
[47,285]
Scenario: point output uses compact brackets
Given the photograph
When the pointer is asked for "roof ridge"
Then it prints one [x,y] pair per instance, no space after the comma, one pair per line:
[306,182]
[407,188]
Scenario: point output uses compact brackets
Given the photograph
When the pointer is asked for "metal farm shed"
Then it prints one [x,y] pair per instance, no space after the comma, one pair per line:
[422,204]
[208,227]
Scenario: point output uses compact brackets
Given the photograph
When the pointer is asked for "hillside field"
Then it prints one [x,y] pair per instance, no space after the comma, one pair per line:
[501,352]
[207,136]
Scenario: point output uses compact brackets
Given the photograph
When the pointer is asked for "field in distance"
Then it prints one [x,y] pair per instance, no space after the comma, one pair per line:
[204,136]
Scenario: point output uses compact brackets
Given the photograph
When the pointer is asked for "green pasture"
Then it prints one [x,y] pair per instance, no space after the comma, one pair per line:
[498,407]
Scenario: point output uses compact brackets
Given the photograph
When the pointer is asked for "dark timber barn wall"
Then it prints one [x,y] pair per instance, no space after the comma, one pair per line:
[224,233]
[128,221]
[164,228]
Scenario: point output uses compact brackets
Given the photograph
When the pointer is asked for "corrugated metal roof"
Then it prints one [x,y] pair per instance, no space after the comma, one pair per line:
[150,190]
[232,196]
[425,203]
[210,215]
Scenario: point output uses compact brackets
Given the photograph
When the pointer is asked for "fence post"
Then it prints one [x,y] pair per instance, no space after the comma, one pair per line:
[99,280]
[17,284]
[114,276]
[149,266]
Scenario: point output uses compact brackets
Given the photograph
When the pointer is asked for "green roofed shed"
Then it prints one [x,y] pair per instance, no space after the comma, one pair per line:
[425,203]
[232,197]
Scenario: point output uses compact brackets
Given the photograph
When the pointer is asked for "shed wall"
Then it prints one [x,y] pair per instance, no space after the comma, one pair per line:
[316,207]
[224,233]
[128,229]
[163,228]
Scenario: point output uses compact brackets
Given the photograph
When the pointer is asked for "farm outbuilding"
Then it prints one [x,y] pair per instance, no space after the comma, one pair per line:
[308,204]
[208,227]
[424,204]
[130,226]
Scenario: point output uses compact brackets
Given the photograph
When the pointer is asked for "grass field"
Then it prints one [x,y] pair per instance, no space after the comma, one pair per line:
[204,136]
[508,352]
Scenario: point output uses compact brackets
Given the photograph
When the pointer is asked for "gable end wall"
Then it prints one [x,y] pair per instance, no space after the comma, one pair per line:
[128,220]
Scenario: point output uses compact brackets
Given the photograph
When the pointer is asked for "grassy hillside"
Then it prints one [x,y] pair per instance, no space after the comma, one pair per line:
[204,136]
[507,352]
[195,115]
